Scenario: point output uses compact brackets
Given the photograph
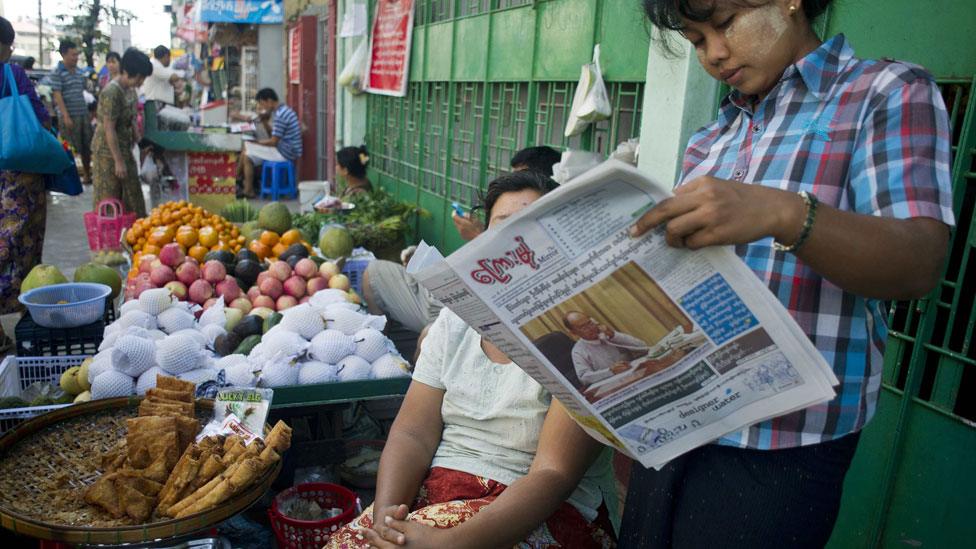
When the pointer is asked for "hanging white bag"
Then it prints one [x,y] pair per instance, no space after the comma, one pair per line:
[590,103]
[352,74]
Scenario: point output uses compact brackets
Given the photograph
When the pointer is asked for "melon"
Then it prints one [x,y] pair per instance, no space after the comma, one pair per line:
[336,242]
[41,275]
[275,217]
[100,274]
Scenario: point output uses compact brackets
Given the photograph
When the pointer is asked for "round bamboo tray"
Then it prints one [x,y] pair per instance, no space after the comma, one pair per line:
[151,532]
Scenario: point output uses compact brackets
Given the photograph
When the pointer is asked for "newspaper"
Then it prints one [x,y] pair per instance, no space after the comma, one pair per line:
[653,350]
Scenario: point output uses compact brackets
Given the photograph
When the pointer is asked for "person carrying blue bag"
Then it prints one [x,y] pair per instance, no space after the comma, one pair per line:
[27,149]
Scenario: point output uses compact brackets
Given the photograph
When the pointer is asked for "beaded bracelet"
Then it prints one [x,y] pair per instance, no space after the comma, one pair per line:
[811,202]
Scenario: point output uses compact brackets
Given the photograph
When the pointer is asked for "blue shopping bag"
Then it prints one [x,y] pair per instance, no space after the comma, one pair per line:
[25,146]
[68,181]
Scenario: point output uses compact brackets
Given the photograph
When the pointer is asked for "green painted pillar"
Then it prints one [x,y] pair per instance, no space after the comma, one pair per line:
[678,99]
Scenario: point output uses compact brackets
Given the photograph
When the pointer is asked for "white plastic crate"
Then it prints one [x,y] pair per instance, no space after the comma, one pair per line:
[13,417]
[9,378]
[32,369]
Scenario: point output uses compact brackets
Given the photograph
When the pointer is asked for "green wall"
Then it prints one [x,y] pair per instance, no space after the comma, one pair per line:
[489,77]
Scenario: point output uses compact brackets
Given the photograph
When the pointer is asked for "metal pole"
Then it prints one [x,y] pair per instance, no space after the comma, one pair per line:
[40,36]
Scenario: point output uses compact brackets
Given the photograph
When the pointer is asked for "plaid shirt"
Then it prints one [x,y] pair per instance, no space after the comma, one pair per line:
[870,137]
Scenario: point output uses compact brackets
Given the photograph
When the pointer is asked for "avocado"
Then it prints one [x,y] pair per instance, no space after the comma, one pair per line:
[272,321]
[223,256]
[247,254]
[248,271]
[247,345]
[293,250]
[248,326]
[226,343]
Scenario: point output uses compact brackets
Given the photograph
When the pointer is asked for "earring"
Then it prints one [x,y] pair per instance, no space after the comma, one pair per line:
[792,10]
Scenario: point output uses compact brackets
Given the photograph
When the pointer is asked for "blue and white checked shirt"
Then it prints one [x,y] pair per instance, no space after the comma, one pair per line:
[870,137]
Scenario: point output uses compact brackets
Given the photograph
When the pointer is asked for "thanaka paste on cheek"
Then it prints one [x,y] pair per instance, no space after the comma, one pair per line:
[757,31]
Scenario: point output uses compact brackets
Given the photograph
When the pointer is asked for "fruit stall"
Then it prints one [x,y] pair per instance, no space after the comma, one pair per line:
[203,161]
[212,304]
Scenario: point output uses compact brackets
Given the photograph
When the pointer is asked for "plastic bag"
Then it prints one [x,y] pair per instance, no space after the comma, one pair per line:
[352,74]
[590,103]
[573,164]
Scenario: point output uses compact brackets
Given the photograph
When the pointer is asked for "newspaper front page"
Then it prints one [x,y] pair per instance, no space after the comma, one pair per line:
[654,350]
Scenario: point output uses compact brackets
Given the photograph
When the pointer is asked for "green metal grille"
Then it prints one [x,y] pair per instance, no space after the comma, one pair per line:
[937,335]
[449,139]
[434,11]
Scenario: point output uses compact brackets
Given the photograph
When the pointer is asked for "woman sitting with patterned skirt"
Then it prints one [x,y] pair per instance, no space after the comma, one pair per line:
[480,455]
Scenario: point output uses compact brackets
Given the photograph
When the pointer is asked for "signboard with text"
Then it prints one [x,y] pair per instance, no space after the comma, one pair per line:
[242,11]
[294,54]
[389,48]
[212,179]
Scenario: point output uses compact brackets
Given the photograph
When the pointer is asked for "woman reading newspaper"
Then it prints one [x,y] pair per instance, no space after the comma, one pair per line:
[480,455]
[830,175]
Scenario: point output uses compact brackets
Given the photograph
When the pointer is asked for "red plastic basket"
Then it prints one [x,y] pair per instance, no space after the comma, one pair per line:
[302,534]
[105,225]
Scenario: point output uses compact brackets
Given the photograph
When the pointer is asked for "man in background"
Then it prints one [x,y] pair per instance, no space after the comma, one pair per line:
[160,85]
[285,142]
[68,90]
[537,159]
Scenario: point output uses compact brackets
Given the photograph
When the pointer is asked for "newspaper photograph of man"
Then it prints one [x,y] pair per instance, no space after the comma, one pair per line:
[615,333]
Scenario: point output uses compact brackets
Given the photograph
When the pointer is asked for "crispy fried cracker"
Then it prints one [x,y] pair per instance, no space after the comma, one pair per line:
[167,394]
[187,429]
[104,494]
[184,472]
[136,504]
[135,480]
[153,434]
[174,384]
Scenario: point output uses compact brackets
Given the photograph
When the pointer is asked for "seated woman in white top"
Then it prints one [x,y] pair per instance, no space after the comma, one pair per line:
[480,455]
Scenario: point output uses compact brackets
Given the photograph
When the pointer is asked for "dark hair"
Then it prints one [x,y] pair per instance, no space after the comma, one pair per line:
[28,63]
[266,94]
[515,182]
[667,14]
[537,159]
[113,55]
[351,158]
[160,52]
[135,63]
[7,33]
[65,46]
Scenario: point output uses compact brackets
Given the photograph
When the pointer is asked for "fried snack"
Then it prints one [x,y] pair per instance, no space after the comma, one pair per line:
[279,438]
[210,467]
[135,504]
[188,500]
[232,441]
[174,384]
[158,470]
[104,494]
[214,443]
[134,479]
[184,472]
[248,472]
[156,407]
[114,459]
[148,437]
[253,449]
[167,394]
[234,452]
[186,429]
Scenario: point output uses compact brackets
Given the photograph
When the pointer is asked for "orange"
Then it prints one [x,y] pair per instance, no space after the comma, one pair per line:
[198,252]
[208,236]
[269,238]
[162,235]
[278,249]
[291,236]
[186,236]
[259,249]
[130,237]
[150,249]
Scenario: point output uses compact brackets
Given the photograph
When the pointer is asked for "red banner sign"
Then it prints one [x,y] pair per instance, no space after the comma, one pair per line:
[212,179]
[389,48]
[294,54]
